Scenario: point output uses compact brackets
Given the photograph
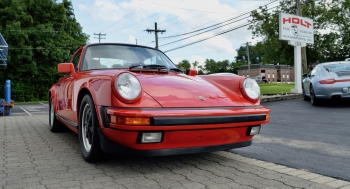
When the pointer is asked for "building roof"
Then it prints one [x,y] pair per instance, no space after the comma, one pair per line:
[257,66]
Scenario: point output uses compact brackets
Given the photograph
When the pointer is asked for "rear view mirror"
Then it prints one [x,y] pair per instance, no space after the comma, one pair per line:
[65,68]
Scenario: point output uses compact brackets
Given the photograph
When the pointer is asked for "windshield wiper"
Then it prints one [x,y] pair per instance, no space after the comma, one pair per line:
[176,69]
[134,66]
[155,66]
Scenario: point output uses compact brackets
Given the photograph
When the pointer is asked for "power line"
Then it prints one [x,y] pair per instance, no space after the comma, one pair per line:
[207,31]
[188,44]
[207,28]
[180,21]
[203,32]
[248,12]
[221,33]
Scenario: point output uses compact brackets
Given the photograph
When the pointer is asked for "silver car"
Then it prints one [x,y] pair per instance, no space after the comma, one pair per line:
[329,80]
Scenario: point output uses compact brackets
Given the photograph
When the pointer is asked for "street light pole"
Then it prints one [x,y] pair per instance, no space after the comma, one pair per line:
[247,47]
[303,49]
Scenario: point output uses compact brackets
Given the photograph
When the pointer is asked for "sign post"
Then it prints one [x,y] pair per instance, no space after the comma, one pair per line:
[298,31]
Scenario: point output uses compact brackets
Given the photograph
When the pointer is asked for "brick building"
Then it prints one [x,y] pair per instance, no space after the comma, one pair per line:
[272,73]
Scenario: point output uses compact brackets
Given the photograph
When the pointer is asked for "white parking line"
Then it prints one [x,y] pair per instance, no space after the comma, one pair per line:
[26,111]
[43,104]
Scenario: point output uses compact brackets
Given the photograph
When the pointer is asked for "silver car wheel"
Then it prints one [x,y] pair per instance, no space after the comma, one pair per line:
[86,129]
[52,113]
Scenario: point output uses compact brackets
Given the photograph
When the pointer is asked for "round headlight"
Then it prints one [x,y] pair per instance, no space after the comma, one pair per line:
[128,86]
[251,88]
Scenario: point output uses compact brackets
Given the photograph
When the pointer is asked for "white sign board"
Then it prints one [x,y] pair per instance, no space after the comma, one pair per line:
[296,28]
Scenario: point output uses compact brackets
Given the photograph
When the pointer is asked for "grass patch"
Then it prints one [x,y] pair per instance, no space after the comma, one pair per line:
[275,88]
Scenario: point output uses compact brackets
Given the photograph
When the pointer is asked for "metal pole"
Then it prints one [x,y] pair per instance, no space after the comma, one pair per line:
[303,49]
[156,33]
[248,59]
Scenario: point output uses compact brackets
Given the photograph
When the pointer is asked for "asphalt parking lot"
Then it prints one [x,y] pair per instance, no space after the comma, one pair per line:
[30,109]
[33,157]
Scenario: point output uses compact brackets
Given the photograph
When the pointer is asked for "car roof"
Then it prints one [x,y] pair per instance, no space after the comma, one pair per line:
[122,44]
[335,62]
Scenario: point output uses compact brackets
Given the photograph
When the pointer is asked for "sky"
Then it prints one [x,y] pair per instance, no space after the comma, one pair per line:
[184,21]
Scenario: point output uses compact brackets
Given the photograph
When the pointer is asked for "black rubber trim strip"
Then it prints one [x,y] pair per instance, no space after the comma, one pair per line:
[67,121]
[103,113]
[166,121]
[112,147]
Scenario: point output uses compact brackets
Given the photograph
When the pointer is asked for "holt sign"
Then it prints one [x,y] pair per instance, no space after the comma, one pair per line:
[296,28]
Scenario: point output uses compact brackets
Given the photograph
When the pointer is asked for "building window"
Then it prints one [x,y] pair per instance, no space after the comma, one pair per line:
[268,75]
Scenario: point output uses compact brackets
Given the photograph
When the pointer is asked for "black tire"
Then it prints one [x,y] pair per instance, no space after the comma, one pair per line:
[88,131]
[54,124]
[314,101]
[304,95]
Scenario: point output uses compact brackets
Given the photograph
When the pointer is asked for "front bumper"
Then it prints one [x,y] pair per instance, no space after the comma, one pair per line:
[186,130]
[116,148]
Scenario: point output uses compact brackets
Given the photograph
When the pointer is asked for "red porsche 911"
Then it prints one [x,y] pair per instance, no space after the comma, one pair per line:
[131,99]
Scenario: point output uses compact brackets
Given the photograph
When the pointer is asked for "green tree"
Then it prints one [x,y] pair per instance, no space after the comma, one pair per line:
[184,65]
[40,34]
[331,31]
[211,66]
[256,53]
[195,64]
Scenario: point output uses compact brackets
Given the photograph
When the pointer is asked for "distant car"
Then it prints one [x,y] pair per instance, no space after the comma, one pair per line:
[131,99]
[327,81]
[347,59]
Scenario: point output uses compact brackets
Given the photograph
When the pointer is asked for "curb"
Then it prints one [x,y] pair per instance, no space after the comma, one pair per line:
[280,97]
[281,169]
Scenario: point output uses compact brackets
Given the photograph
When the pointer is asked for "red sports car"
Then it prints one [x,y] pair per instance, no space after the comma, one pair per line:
[131,99]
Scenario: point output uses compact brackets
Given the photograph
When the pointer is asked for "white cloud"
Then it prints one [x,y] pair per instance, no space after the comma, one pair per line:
[199,59]
[132,39]
[127,20]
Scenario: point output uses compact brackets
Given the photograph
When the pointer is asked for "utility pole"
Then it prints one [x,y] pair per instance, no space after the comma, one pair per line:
[99,36]
[155,32]
[247,47]
[303,49]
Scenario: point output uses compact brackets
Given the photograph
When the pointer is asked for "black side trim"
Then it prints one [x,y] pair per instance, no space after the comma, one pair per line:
[206,120]
[104,117]
[112,147]
[67,121]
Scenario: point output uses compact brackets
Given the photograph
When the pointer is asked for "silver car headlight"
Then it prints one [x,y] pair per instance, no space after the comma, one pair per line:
[128,86]
[251,89]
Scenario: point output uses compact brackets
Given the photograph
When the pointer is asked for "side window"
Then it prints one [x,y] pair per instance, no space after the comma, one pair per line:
[313,72]
[318,71]
[75,61]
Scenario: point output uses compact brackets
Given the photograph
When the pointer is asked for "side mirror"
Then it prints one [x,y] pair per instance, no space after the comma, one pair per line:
[65,68]
[191,72]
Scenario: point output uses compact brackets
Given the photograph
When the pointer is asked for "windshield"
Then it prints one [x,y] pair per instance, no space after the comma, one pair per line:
[118,56]
[338,67]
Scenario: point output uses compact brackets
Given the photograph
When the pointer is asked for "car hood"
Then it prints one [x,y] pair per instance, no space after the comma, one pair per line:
[181,91]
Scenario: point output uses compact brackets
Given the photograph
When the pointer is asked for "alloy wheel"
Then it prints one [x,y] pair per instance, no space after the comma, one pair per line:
[87,127]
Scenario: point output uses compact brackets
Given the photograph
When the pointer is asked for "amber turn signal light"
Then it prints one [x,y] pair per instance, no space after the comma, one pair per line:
[130,120]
